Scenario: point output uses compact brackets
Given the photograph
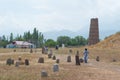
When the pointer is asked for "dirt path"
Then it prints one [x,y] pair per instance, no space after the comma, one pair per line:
[104,65]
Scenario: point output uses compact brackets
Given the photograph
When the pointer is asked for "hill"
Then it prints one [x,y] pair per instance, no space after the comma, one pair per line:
[112,41]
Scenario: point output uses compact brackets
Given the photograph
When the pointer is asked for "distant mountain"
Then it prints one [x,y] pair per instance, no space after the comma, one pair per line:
[105,33]
[83,32]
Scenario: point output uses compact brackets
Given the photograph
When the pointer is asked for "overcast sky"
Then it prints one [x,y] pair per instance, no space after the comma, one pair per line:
[18,16]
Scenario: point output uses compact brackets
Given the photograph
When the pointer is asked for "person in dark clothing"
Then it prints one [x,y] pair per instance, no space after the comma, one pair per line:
[56,47]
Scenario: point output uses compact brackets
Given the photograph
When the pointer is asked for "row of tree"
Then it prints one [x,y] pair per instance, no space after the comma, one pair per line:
[37,38]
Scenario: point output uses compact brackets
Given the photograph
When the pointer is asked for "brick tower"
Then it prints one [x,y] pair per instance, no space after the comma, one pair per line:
[94,32]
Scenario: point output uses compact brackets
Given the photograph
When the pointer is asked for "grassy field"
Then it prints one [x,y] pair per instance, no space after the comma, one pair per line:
[106,69]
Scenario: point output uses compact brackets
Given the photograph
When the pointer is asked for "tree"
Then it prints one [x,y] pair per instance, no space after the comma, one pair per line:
[19,38]
[73,42]
[76,41]
[35,37]
[27,36]
[80,41]
[40,39]
[11,37]
[63,40]
[3,41]
[50,43]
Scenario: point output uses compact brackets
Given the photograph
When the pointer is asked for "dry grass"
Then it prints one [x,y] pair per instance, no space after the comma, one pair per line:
[103,70]
[106,69]
[112,41]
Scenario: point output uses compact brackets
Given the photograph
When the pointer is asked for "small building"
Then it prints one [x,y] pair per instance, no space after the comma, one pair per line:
[20,44]
[10,45]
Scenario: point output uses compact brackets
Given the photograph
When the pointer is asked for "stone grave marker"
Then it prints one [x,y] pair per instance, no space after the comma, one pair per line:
[57,60]
[69,56]
[31,51]
[17,64]
[69,59]
[46,50]
[114,60]
[26,62]
[55,68]
[44,73]
[77,58]
[19,58]
[97,58]
[14,50]
[20,61]
[9,61]
[41,60]
[43,50]
[50,54]
[70,51]
[12,61]
[54,57]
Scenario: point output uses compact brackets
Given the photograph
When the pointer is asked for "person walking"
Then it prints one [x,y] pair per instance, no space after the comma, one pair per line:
[85,55]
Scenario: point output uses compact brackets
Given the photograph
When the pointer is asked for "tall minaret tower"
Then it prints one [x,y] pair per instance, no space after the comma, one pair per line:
[94,32]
